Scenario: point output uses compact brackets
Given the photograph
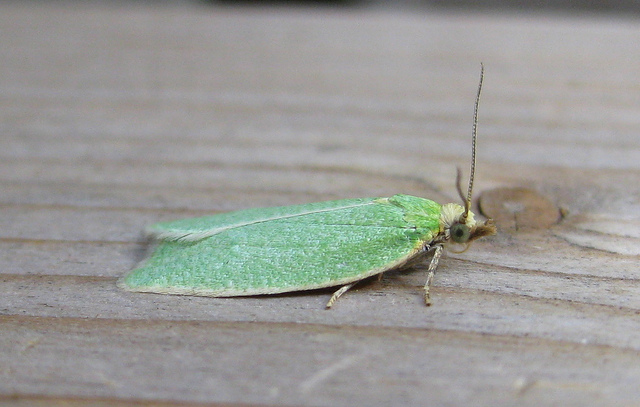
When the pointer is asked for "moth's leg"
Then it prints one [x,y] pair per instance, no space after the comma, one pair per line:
[437,252]
[338,294]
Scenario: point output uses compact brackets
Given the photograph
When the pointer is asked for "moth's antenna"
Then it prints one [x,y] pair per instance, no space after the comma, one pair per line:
[474,136]
[458,184]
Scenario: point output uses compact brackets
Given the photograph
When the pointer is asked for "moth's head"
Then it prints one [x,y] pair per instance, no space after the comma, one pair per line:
[457,223]
[456,227]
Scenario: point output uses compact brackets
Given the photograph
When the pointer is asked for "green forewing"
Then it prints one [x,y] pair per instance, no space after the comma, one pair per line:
[272,250]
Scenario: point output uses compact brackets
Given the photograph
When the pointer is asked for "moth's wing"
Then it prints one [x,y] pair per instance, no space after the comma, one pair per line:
[285,249]
[195,229]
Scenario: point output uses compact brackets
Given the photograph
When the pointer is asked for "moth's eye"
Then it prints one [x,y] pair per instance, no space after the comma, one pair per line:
[460,233]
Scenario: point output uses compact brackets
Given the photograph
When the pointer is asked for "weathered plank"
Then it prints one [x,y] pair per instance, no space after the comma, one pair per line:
[118,359]
[112,118]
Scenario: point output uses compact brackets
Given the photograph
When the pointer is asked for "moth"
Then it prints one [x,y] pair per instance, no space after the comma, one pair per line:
[305,247]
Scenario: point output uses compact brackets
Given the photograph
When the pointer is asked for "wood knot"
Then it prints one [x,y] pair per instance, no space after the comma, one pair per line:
[518,209]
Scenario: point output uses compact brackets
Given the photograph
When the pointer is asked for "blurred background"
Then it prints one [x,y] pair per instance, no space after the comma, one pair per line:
[571,6]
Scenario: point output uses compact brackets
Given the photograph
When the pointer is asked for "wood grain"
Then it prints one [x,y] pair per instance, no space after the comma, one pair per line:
[112,118]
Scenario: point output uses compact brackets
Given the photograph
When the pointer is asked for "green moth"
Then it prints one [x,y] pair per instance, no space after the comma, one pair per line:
[305,247]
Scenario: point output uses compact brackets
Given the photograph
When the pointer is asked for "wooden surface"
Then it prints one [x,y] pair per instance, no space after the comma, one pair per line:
[115,118]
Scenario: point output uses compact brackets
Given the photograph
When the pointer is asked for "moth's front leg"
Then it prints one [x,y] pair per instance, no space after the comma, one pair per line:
[437,252]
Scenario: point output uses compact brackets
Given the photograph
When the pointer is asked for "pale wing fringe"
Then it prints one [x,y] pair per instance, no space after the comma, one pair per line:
[187,237]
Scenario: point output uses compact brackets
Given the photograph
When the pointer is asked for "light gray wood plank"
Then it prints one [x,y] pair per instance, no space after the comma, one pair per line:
[112,118]
[499,309]
[119,359]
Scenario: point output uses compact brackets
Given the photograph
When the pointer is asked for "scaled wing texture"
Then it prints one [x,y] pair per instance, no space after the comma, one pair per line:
[282,249]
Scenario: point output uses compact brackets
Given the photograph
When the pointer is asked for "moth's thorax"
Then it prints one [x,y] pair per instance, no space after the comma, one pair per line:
[450,214]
